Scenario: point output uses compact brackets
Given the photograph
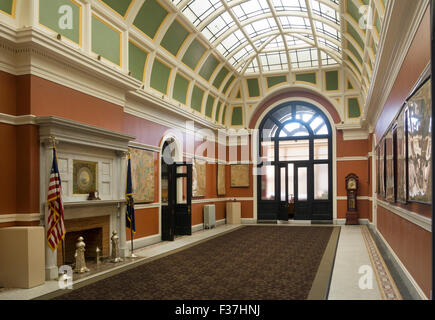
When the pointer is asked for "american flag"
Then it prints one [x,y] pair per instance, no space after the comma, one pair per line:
[56,228]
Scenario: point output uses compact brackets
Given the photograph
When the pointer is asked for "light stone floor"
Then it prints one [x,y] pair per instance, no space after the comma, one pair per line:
[351,255]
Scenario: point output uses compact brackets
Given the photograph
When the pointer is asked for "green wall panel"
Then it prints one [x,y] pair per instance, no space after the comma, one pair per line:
[209,67]
[354,109]
[237,116]
[354,51]
[209,106]
[197,96]
[355,35]
[174,38]
[218,110]
[253,87]
[136,61]
[7,6]
[150,17]
[119,6]
[349,85]
[106,41]
[193,54]
[220,77]
[331,78]
[306,77]
[160,76]
[181,85]
[273,81]
[378,24]
[230,80]
[50,17]
[353,10]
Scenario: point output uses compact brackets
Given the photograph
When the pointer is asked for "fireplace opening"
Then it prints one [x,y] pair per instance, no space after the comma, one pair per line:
[93,238]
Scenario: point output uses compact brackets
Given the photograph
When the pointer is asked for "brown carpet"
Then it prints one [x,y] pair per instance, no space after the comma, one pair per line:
[250,263]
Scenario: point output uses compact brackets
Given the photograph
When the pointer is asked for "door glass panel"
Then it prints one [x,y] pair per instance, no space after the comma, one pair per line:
[268,183]
[302,184]
[181,190]
[268,151]
[283,182]
[291,183]
[321,149]
[294,150]
[321,181]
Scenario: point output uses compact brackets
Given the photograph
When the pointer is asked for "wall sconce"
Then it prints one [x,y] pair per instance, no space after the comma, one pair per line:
[59,36]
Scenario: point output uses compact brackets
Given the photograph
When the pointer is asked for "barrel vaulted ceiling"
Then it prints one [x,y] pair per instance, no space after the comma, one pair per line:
[221,57]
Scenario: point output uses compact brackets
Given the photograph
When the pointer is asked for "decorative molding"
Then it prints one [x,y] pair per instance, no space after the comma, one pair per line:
[20,217]
[17,120]
[196,201]
[415,218]
[358,198]
[359,158]
[139,145]
[89,203]
[147,206]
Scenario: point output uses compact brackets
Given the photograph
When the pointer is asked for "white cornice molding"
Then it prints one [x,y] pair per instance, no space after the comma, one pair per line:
[139,145]
[361,158]
[415,218]
[17,120]
[78,133]
[402,22]
[20,217]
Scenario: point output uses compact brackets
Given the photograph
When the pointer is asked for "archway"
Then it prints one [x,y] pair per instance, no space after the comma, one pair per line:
[295,178]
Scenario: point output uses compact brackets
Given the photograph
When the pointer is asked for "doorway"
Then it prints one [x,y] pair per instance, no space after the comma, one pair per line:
[295,180]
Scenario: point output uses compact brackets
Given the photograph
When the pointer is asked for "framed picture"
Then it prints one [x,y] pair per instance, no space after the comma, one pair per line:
[239,175]
[389,167]
[198,178]
[221,180]
[84,177]
[419,145]
[402,180]
[142,175]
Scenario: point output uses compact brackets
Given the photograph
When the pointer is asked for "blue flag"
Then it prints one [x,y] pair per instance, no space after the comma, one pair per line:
[130,201]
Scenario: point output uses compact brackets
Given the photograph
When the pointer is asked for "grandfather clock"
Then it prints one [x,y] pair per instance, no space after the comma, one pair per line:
[352,190]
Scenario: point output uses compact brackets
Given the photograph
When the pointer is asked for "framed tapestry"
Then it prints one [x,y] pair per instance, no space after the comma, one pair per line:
[142,175]
[419,145]
[198,178]
[84,177]
[402,181]
[239,175]
[389,167]
[382,168]
[221,180]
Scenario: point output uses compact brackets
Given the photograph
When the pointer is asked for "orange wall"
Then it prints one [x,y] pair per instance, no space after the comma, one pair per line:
[8,165]
[147,223]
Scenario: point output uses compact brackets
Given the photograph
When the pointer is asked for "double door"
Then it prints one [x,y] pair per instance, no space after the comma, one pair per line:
[177,214]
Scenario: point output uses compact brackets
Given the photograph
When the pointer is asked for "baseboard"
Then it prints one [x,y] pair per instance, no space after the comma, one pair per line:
[249,221]
[146,241]
[340,221]
[411,284]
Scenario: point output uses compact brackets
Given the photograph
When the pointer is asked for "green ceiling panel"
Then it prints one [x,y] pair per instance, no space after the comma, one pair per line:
[354,109]
[174,38]
[119,6]
[220,77]
[193,54]
[150,17]
[378,23]
[230,80]
[353,10]
[273,81]
[181,86]
[197,96]
[8,6]
[160,76]
[209,67]
[349,85]
[224,114]
[331,78]
[136,61]
[209,106]
[354,51]
[349,58]
[50,17]
[253,87]
[306,77]
[355,35]
[218,110]
[106,41]
[237,116]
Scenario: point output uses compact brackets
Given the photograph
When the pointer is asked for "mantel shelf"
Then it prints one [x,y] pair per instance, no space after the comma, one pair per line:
[92,203]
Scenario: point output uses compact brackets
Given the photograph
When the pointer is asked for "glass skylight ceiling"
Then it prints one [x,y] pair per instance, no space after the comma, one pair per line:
[269,35]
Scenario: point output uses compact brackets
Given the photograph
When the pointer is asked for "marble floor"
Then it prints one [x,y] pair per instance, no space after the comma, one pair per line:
[353,277]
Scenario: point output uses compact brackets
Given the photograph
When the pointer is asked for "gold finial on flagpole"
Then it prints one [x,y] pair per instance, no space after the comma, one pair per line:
[53,142]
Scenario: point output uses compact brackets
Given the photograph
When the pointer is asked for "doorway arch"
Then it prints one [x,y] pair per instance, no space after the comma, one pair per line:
[295,147]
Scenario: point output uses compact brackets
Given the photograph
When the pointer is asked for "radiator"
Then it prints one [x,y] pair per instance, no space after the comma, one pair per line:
[209,216]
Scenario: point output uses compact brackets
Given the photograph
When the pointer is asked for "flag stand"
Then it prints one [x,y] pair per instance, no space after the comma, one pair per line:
[132,255]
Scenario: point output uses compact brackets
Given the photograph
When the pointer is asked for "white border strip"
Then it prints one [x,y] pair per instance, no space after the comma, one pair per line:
[17,120]
[20,217]
[361,158]
[357,198]
[412,217]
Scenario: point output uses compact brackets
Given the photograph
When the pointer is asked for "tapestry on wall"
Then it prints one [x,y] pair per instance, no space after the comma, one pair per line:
[389,164]
[221,180]
[84,177]
[419,145]
[142,173]
[198,178]
[239,175]
[401,156]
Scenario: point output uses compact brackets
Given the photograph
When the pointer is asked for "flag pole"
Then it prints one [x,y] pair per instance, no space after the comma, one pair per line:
[132,255]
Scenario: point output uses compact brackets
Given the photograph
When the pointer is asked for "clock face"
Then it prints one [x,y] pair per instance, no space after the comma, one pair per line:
[351,184]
